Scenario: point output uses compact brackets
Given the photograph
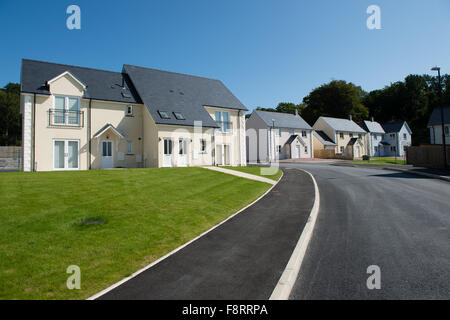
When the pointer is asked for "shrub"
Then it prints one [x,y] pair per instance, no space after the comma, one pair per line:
[366,157]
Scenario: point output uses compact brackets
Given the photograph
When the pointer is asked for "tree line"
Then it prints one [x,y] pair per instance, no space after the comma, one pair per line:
[411,100]
[10,117]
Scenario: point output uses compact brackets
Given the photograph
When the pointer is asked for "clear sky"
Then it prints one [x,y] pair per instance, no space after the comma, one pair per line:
[264,51]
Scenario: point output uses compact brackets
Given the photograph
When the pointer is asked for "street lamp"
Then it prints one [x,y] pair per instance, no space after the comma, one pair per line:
[273,133]
[438,69]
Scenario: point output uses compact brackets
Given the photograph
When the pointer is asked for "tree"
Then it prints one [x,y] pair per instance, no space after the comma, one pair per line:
[10,120]
[337,99]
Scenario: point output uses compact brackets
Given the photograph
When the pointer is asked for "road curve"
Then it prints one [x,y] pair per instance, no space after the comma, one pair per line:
[397,221]
[241,259]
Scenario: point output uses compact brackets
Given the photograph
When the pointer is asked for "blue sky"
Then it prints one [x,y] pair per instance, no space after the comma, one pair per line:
[264,51]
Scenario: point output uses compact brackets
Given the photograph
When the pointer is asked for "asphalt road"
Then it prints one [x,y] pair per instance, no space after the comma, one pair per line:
[241,259]
[397,221]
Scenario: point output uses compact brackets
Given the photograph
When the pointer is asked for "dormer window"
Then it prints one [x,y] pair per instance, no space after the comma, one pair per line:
[179,116]
[129,111]
[164,114]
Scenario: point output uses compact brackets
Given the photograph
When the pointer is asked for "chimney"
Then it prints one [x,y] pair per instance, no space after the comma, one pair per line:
[372,119]
[296,112]
[350,117]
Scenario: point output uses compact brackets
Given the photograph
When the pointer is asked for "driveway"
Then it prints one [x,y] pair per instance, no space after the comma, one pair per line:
[241,259]
[397,221]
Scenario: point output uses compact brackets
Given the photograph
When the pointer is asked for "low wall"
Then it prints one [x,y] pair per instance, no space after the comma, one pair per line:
[331,154]
[10,158]
[429,155]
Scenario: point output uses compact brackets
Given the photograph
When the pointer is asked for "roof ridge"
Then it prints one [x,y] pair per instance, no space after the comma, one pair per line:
[68,65]
[171,72]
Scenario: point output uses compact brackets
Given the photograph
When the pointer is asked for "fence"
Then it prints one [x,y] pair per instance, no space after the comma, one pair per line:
[331,154]
[429,155]
[10,158]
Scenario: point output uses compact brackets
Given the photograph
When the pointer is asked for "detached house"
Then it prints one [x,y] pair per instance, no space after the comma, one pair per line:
[435,126]
[275,136]
[397,136]
[77,118]
[347,138]
[374,137]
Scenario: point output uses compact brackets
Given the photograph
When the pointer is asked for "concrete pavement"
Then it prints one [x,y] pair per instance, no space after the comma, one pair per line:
[241,259]
[397,221]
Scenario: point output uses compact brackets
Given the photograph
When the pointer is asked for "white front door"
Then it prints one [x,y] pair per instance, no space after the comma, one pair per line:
[183,154]
[298,150]
[168,153]
[107,155]
[358,154]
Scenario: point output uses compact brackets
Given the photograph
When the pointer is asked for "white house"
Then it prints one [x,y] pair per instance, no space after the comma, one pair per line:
[275,136]
[397,136]
[374,137]
[435,126]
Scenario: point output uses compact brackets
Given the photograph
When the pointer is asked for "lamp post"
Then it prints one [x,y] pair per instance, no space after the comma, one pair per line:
[438,69]
[273,137]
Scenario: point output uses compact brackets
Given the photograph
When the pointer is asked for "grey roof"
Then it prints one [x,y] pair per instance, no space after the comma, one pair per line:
[394,126]
[107,126]
[100,84]
[346,125]
[435,118]
[174,92]
[291,139]
[283,120]
[371,126]
[323,138]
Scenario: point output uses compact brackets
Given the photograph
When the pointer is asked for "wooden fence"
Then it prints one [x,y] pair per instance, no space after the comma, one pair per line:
[10,158]
[429,155]
[331,154]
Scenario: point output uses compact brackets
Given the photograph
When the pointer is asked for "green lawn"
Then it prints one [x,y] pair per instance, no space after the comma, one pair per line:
[146,212]
[257,171]
[381,161]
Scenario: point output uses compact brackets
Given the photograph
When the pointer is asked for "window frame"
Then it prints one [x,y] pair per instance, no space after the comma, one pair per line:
[66,151]
[65,110]
[129,147]
[161,112]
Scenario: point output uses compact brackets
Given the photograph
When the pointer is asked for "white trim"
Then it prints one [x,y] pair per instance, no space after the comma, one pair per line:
[115,285]
[112,153]
[287,280]
[65,157]
[110,126]
[67,73]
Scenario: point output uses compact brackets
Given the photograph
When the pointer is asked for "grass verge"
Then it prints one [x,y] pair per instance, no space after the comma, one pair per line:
[381,161]
[133,217]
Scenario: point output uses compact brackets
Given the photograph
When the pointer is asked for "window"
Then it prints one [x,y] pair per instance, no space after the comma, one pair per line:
[168,144]
[163,114]
[202,145]
[66,111]
[394,149]
[129,111]
[304,134]
[392,135]
[129,147]
[182,146]
[359,136]
[404,136]
[350,135]
[342,149]
[223,120]
[179,116]
[65,154]
[341,135]
[376,149]
[306,149]
[279,149]
[447,130]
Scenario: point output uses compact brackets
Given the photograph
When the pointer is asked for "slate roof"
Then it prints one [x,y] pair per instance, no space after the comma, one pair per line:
[345,125]
[100,84]
[175,92]
[323,138]
[435,118]
[371,126]
[394,126]
[283,120]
